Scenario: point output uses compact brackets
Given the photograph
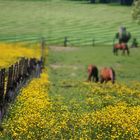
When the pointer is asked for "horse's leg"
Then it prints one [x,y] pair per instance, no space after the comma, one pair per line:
[92,79]
[113,81]
[101,79]
[127,50]
[114,50]
[123,51]
[89,77]
[96,78]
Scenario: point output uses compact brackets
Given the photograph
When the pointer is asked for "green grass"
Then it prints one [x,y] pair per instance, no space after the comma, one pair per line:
[28,20]
[74,63]
[68,68]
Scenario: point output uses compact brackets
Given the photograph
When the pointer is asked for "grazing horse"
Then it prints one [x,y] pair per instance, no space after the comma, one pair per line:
[92,73]
[121,46]
[107,74]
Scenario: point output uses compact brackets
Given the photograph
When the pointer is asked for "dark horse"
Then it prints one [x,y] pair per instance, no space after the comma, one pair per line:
[107,74]
[92,73]
[120,46]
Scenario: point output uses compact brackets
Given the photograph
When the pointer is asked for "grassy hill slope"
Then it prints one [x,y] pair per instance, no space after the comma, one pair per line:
[81,22]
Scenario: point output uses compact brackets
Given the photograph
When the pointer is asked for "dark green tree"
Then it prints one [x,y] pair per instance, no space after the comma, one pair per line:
[136,11]
[92,1]
[126,2]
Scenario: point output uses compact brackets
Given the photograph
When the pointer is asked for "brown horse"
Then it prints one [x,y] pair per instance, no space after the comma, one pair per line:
[121,46]
[107,74]
[92,73]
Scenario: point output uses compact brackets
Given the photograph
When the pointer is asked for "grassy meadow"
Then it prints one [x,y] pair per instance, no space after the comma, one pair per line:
[74,61]
[81,22]
[68,66]
[61,104]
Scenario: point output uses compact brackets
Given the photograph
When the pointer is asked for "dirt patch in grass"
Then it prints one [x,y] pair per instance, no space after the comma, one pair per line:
[57,66]
[62,48]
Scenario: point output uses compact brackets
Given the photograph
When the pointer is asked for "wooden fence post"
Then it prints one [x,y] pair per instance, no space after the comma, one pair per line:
[18,75]
[65,41]
[2,84]
[43,52]
[2,90]
[9,84]
[93,42]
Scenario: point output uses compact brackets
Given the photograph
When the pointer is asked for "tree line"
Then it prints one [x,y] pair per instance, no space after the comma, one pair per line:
[136,11]
[122,2]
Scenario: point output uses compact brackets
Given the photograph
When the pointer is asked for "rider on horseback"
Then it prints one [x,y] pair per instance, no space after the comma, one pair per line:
[123,36]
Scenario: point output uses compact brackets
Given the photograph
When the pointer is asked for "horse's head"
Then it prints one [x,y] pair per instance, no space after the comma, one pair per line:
[89,69]
[92,72]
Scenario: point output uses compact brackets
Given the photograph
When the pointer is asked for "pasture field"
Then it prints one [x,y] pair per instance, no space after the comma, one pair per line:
[55,109]
[29,20]
[74,61]
[68,67]
[61,104]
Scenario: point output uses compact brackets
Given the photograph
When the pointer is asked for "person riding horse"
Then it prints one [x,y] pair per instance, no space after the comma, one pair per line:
[123,37]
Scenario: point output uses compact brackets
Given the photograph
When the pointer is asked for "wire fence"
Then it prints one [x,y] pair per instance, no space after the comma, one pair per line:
[68,40]
[12,79]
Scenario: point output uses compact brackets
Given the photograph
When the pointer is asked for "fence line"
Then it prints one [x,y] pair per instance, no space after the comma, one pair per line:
[71,40]
[14,78]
